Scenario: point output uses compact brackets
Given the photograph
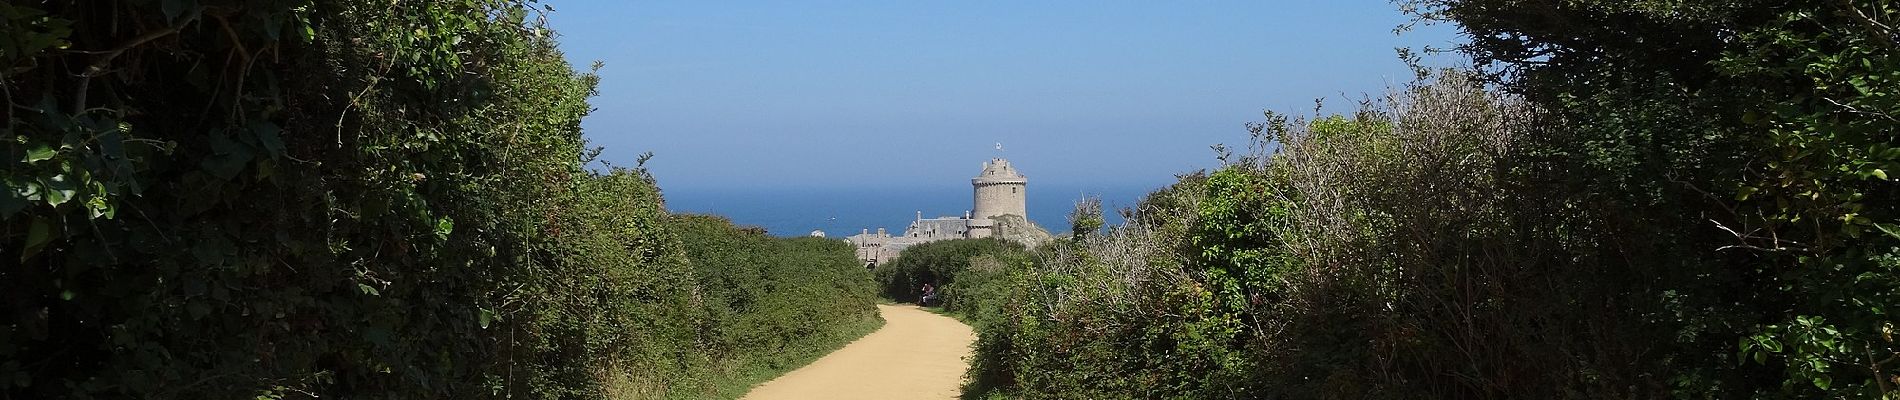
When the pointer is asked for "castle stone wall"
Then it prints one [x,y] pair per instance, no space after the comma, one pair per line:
[1000,194]
[998,199]
[999,190]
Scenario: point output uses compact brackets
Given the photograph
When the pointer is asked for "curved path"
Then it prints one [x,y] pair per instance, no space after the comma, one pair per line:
[916,355]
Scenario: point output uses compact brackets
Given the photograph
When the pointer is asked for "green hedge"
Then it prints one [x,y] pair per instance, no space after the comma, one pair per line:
[357,199]
[1453,241]
[942,264]
[772,304]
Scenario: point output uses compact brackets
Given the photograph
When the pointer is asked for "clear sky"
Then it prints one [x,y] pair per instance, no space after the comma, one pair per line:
[871,94]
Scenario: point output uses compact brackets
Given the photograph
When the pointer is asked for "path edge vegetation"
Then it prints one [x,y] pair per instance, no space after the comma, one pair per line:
[793,316]
[1615,199]
[299,199]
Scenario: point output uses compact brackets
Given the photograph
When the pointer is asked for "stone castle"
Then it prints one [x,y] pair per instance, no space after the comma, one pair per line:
[1000,209]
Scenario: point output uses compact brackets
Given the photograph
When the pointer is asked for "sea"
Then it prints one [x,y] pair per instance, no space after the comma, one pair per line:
[840,212]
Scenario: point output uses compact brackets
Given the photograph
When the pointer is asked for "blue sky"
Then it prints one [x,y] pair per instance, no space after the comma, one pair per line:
[882,94]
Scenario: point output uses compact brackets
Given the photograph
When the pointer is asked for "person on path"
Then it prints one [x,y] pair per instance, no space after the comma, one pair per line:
[930,293]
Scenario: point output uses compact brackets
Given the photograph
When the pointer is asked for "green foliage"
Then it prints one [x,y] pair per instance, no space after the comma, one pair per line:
[1676,200]
[1235,238]
[939,264]
[271,199]
[606,262]
[1765,127]
[1093,318]
[1086,219]
[771,304]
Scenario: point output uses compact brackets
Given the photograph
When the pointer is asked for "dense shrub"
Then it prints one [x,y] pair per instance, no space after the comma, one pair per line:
[1109,316]
[941,264]
[1676,199]
[1303,271]
[772,304]
[356,199]
[1269,277]
[1750,140]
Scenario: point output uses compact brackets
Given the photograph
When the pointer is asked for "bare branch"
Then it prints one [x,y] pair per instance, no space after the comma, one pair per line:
[102,59]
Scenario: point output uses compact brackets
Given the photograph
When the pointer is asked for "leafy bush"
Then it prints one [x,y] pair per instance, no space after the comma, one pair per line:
[772,304]
[1754,138]
[940,264]
[357,199]
[1266,278]
[1677,199]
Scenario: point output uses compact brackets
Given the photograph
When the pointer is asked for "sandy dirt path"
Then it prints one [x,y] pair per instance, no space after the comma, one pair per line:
[916,355]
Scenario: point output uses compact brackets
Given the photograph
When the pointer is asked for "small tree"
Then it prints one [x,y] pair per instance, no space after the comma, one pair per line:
[1087,217]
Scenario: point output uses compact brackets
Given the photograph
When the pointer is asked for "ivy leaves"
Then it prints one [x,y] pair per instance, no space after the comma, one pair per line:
[30,31]
[257,145]
[66,169]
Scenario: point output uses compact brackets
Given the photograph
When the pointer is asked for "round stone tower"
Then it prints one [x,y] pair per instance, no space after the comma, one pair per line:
[1000,190]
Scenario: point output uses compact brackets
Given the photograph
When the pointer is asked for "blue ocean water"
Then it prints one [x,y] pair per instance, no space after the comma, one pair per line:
[843,212]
